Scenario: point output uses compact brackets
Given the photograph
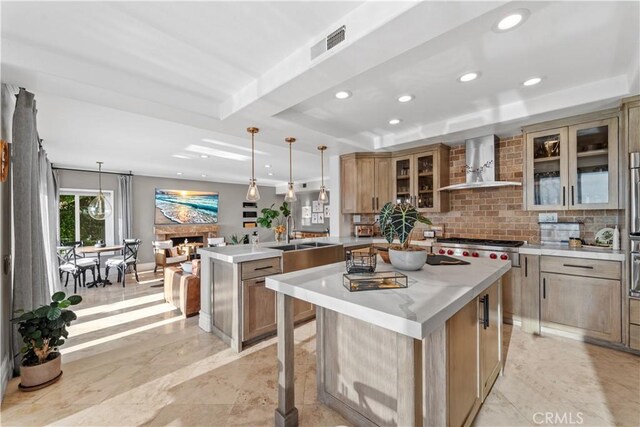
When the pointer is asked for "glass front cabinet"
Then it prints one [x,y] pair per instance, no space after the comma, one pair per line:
[573,167]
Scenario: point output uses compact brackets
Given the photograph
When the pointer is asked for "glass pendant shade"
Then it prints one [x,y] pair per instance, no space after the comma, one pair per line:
[253,194]
[291,194]
[323,197]
[99,208]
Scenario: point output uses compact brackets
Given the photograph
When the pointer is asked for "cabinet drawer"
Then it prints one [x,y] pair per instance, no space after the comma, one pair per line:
[261,267]
[634,337]
[581,267]
[634,311]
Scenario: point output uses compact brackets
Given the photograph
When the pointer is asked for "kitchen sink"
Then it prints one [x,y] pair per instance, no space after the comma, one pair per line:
[287,248]
[317,244]
[306,255]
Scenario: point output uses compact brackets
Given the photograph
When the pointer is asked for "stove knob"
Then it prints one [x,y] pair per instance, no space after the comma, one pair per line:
[475,254]
[504,257]
[493,256]
[441,251]
[465,253]
[449,252]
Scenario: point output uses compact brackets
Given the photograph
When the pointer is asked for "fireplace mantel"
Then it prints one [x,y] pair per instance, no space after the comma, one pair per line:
[165,232]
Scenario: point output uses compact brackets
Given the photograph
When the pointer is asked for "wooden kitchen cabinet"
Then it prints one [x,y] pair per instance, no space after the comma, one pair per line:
[631,129]
[490,357]
[418,175]
[585,306]
[259,309]
[530,293]
[511,295]
[574,166]
[365,182]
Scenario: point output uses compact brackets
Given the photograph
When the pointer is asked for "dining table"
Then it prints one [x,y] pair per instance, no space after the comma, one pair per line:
[99,250]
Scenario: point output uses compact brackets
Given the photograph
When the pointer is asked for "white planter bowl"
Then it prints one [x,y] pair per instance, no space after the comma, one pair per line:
[408,260]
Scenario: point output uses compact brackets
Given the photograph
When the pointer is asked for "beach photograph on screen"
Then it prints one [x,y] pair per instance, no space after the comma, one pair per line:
[186,207]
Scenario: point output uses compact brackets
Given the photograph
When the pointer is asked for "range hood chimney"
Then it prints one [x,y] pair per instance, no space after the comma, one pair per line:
[480,165]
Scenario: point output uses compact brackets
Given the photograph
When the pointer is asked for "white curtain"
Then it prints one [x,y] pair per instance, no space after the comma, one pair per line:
[125,212]
[47,186]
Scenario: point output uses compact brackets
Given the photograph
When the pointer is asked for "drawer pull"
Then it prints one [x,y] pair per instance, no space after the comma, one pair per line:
[263,268]
[259,282]
[544,288]
[578,266]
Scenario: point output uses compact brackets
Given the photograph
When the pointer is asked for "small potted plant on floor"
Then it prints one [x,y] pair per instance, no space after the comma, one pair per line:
[399,220]
[43,331]
[275,219]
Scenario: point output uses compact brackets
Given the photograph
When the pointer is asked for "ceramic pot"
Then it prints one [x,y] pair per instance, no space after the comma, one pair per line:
[408,260]
[34,376]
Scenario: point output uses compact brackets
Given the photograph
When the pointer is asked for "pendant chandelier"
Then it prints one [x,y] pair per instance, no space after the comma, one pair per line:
[99,208]
[291,194]
[253,195]
[323,197]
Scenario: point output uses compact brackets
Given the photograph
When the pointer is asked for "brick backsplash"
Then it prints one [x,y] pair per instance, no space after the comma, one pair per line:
[497,213]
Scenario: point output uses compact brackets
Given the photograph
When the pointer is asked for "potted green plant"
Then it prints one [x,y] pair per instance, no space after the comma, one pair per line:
[399,220]
[43,331]
[275,219]
[238,239]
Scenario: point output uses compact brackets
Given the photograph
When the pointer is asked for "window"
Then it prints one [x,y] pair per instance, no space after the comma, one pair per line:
[75,222]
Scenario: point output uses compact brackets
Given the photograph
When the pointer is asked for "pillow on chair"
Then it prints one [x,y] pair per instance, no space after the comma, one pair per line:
[174,251]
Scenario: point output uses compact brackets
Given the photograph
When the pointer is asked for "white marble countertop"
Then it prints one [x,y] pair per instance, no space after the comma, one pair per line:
[241,253]
[435,293]
[564,250]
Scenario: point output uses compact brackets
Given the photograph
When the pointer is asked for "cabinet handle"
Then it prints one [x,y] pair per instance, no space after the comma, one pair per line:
[573,202]
[258,282]
[564,194]
[485,311]
[266,267]
[590,267]
[526,266]
[377,203]
[373,203]
[544,288]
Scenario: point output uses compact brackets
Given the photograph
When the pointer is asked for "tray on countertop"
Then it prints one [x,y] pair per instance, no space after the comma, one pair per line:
[444,260]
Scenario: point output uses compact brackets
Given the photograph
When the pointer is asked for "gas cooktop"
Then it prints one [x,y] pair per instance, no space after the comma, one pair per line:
[482,242]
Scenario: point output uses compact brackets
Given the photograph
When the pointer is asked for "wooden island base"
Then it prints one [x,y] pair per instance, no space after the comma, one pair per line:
[376,377]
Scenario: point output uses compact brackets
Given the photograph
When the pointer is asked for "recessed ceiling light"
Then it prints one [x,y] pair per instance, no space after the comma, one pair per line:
[405,98]
[343,94]
[179,173]
[394,121]
[203,175]
[532,81]
[204,156]
[270,174]
[511,21]
[468,77]
[267,166]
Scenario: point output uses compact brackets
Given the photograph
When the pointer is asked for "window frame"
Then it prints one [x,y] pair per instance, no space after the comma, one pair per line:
[109,223]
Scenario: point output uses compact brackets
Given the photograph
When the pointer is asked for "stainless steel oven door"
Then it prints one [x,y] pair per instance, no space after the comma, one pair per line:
[635,274]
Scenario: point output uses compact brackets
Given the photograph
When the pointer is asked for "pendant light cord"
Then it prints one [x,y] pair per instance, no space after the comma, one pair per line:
[100,177]
[322,166]
[253,158]
[290,165]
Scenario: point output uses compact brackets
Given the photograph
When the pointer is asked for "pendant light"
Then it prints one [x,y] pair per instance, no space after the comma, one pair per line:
[291,194]
[253,195]
[323,197]
[99,208]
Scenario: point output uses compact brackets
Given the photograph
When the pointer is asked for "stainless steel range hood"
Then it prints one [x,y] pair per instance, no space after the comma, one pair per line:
[481,165]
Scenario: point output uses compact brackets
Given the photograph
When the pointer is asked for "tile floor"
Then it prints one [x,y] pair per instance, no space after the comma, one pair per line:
[133,360]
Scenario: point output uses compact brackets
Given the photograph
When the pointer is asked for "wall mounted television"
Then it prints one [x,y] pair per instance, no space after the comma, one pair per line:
[186,207]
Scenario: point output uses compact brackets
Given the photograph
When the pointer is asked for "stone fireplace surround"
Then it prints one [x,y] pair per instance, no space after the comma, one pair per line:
[166,232]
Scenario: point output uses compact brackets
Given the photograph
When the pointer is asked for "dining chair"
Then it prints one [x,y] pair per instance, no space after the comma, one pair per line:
[73,264]
[122,262]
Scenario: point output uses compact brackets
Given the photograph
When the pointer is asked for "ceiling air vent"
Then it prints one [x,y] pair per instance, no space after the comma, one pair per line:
[331,41]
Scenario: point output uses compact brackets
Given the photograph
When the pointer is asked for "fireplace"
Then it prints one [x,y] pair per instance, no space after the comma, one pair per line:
[190,239]
[194,232]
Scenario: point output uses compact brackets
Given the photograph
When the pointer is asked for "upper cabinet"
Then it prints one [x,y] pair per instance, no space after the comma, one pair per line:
[573,167]
[631,115]
[365,182]
[418,176]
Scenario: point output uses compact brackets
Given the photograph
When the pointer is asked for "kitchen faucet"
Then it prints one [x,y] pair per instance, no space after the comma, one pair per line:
[286,225]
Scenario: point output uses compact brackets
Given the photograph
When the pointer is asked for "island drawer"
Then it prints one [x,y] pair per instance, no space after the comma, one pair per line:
[634,311]
[581,267]
[260,268]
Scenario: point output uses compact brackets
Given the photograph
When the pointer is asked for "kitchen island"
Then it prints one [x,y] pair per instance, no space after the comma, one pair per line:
[424,355]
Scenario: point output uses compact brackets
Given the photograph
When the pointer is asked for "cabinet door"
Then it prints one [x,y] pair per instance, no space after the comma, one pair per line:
[530,293]
[633,126]
[383,182]
[259,309]
[581,305]
[365,202]
[511,288]
[424,165]
[490,342]
[348,184]
[593,165]
[463,386]
[402,179]
[547,170]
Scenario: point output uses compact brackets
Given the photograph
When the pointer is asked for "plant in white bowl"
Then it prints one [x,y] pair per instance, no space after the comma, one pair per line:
[399,220]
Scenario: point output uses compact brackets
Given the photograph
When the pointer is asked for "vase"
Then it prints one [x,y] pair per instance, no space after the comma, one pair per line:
[38,376]
[411,259]
[278,236]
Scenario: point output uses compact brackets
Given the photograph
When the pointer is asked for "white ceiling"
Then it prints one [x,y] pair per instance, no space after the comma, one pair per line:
[136,84]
